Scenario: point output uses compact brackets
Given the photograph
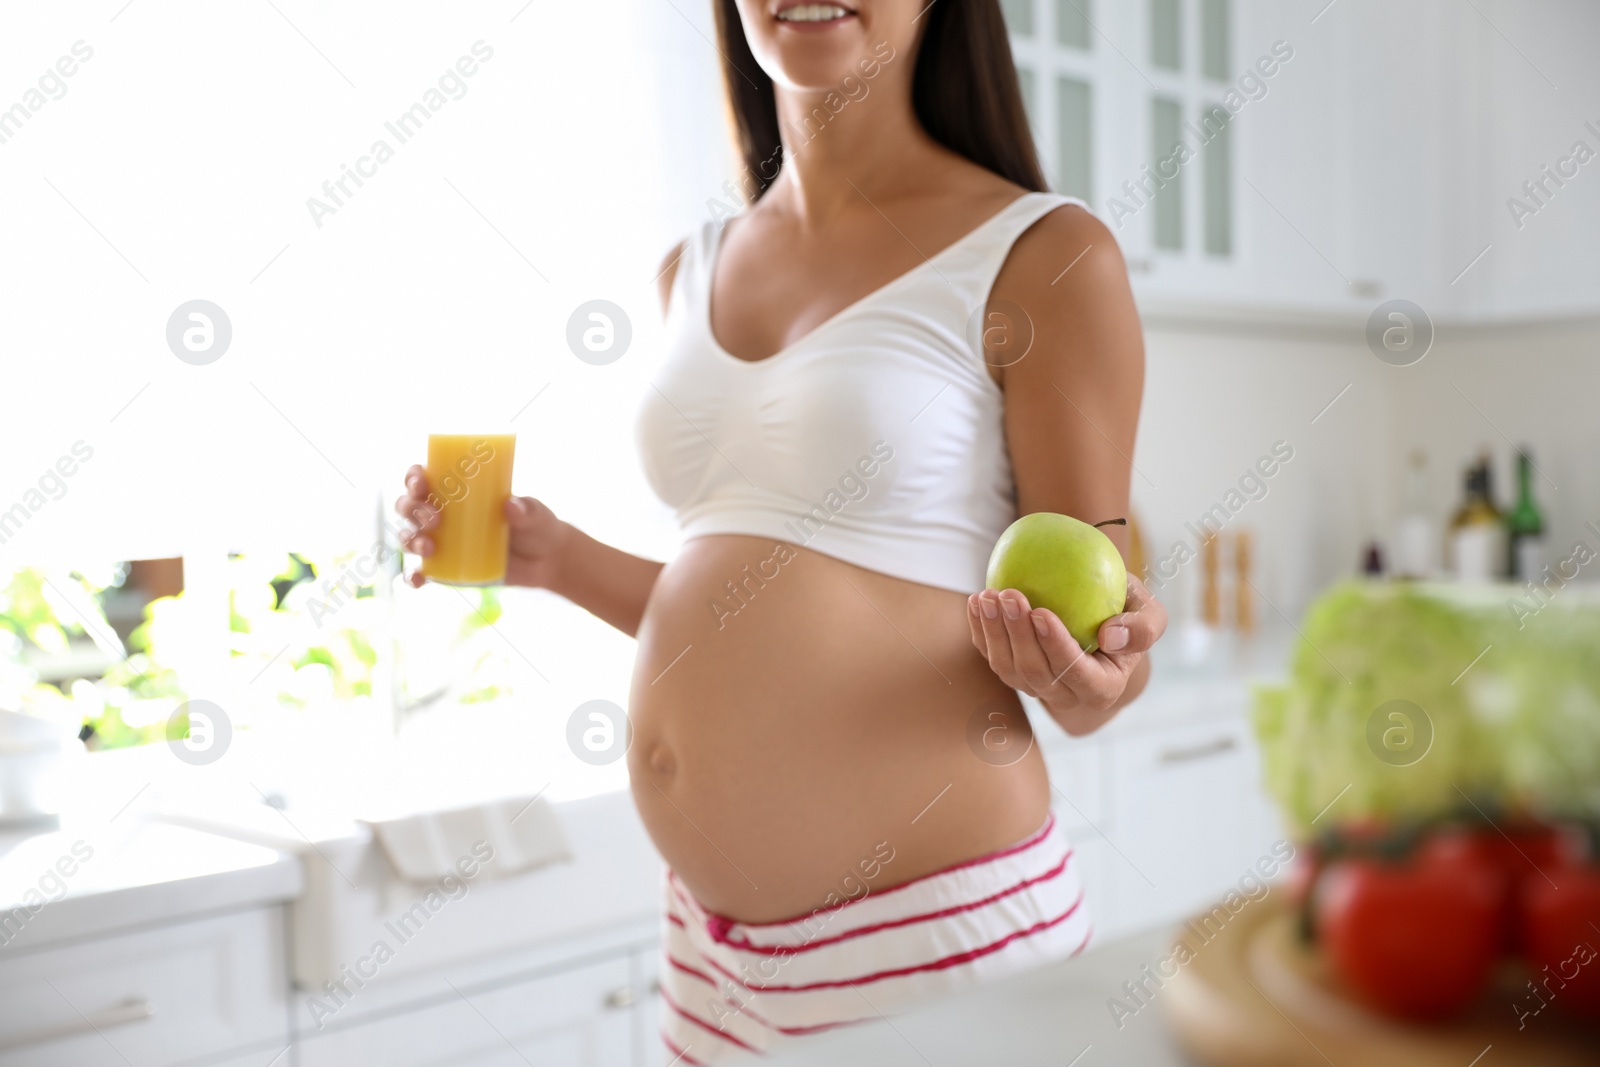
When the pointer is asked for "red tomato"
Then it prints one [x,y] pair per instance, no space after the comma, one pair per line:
[1487,851]
[1560,927]
[1522,851]
[1525,847]
[1416,938]
[1516,851]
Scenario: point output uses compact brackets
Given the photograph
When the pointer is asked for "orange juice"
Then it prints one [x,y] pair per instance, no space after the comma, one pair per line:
[469,482]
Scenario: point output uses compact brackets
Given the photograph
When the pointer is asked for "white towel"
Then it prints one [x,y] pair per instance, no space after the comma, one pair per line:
[524,832]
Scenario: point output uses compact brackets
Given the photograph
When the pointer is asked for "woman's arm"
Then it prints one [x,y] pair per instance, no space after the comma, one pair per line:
[606,582]
[1072,409]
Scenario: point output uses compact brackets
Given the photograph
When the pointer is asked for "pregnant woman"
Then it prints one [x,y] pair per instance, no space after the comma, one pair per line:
[828,746]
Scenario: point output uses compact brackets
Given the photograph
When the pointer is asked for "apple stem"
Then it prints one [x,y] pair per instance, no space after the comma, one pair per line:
[1111,522]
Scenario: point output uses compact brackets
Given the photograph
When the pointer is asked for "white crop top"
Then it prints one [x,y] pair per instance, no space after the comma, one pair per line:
[877,438]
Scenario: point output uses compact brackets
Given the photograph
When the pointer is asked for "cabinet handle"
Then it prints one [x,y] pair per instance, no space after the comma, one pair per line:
[1196,752]
[129,1011]
[622,997]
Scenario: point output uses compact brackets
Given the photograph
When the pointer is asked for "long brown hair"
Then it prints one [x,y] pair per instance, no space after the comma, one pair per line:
[964,90]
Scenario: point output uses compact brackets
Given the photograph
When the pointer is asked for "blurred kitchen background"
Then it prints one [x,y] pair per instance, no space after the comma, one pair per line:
[1377,278]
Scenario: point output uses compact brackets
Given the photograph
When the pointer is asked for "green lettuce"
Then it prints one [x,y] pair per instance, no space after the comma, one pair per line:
[1510,696]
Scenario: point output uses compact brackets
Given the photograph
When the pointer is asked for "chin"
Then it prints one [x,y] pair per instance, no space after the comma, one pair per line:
[809,46]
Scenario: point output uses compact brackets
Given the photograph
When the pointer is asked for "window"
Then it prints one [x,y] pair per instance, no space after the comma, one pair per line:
[1019,16]
[1124,102]
[1214,38]
[1218,175]
[1189,132]
[1166,119]
[1166,35]
[1072,23]
[1074,140]
[1059,65]
[231,466]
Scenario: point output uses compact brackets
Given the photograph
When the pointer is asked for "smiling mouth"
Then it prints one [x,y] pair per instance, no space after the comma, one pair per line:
[812,14]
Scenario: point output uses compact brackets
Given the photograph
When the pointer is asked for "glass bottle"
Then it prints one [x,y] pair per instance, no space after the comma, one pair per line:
[1477,532]
[1416,542]
[1525,527]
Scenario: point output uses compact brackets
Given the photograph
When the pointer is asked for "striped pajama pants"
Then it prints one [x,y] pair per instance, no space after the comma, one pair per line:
[731,990]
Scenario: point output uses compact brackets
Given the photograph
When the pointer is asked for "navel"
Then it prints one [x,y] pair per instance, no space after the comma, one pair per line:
[661,761]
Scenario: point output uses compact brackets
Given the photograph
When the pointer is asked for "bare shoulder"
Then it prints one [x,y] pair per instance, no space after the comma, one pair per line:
[669,271]
[1068,253]
[1068,274]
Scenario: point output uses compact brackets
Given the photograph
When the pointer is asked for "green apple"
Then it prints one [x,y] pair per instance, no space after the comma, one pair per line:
[1065,565]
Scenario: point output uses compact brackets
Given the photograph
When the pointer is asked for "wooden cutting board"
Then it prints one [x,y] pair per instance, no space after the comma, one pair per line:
[1254,996]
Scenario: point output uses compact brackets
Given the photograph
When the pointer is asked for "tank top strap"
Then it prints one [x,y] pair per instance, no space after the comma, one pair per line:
[988,248]
[691,281]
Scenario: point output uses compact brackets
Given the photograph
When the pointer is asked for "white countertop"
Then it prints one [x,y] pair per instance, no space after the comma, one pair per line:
[87,879]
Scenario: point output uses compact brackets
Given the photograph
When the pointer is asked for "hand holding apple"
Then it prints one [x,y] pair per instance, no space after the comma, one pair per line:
[1062,620]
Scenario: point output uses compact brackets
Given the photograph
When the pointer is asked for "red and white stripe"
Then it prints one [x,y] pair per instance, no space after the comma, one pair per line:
[732,989]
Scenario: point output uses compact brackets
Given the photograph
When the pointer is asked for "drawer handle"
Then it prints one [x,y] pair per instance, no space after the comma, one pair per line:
[1197,752]
[129,1011]
[620,998]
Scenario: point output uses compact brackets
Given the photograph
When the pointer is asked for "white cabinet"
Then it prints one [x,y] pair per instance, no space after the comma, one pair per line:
[1162,819]
[187,992]
[1189,813]
[215,993]
[581,1017]
[647,1043]
[1374,150]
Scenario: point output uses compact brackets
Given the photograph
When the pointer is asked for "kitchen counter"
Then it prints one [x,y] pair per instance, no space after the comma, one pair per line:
[85,880]
[1055,1016]
[166,841]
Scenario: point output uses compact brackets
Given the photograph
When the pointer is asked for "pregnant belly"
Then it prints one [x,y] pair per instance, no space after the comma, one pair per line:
[805,731]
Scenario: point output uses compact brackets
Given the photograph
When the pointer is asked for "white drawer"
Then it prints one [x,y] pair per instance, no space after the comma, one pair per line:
[1184,815]
[161,996]
[578,1018]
